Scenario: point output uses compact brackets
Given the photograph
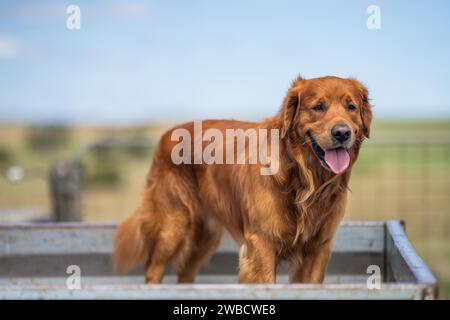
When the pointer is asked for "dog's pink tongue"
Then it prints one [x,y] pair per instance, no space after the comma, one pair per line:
[337,159]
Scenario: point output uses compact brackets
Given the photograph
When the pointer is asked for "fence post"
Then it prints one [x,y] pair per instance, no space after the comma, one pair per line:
[65,185]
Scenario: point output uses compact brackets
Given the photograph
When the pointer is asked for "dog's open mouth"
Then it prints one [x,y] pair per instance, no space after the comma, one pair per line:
[337,160]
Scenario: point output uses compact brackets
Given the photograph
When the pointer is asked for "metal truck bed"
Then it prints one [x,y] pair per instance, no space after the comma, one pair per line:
[34,258]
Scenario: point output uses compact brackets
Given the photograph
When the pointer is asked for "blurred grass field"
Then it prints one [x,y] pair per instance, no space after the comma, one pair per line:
[403,173]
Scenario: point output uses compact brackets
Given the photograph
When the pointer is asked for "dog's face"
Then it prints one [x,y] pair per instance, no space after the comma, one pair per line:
[332,114]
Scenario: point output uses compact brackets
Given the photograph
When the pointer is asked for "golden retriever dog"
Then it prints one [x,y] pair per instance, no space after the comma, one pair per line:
[291,215]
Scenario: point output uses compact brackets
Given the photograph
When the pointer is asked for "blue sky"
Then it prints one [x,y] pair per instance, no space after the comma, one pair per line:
[138,61]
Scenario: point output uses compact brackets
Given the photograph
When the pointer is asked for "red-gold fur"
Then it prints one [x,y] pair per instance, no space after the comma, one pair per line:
[292,215]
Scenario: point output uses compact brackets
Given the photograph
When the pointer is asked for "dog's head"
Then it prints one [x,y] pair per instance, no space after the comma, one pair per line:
[332,115]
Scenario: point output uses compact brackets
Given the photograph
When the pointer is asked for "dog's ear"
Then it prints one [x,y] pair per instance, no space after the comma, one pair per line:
[290,106]
[366,110]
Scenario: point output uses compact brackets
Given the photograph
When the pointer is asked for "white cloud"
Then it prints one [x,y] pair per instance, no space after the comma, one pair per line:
[8,47]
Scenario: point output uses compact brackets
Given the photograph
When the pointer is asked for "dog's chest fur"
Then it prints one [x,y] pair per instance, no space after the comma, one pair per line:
[305,221]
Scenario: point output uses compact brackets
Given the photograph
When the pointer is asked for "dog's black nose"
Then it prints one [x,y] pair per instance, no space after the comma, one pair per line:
[341,133]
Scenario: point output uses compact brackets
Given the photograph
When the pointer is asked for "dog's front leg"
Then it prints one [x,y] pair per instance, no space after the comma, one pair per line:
[313,263]
[316,253]
[257,261]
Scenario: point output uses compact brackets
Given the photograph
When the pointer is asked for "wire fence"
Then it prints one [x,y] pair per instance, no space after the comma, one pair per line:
[411,179]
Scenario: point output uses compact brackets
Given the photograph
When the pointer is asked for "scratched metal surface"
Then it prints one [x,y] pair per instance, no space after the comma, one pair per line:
[34,258]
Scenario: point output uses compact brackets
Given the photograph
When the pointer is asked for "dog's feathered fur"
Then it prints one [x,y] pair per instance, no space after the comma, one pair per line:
[292,215]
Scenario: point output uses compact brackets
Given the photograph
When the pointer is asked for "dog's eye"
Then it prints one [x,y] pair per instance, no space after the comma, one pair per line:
[351,107]
[319,107]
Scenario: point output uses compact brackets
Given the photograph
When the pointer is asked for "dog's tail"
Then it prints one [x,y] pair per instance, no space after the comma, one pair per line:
[130,247]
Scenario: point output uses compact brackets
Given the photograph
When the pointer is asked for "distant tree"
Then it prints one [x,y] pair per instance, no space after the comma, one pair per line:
[6,157]
[44,138]
[102,167]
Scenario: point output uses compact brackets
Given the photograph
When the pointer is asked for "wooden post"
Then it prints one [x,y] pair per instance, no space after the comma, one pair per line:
[65,185]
